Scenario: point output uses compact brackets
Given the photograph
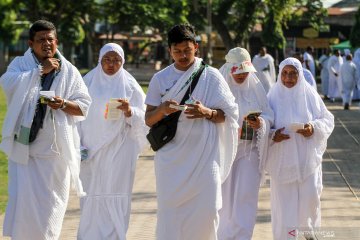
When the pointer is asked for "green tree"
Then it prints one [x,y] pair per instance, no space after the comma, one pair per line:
[137,16]
[355,31]
[232,19]
[10,27]
[70,17]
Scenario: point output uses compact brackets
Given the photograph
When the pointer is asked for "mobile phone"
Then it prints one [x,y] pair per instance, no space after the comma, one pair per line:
[178,107]
[46,99]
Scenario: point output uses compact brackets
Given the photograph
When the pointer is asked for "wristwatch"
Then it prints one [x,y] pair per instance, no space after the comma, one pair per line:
[64,104]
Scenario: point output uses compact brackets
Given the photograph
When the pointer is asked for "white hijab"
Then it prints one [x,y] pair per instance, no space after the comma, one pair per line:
[250,91]
[296,158]
[291,104]
[102,88]
[251,96]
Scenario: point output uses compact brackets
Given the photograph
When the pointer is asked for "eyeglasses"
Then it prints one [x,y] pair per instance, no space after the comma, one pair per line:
[291,74]
[112,61]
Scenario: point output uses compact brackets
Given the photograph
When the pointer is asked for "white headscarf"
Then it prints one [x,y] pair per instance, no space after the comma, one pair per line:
[291,104]
[298,157]
[102,87]
[250,91]
[250,96]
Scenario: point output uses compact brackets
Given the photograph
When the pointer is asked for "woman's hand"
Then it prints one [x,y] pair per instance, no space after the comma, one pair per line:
[307,131]
[254,123]
[279,136]
[125,107]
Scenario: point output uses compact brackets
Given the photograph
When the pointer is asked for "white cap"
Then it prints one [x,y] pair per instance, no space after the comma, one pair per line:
[241,60]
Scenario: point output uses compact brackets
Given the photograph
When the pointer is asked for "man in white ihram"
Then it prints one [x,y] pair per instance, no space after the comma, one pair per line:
[309,62]
[264,65]
[40,137]
[348,73]
[191,167]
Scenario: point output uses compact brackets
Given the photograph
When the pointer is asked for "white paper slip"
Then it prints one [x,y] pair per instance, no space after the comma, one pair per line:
[112,113]
[296,126]
[46,96]
[49,94]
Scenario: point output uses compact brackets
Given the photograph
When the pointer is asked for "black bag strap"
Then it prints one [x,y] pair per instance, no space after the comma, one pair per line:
[176,115]
[193,82]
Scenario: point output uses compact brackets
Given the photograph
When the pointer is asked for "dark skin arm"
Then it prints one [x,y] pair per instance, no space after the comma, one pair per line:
[197,110]
[72,108]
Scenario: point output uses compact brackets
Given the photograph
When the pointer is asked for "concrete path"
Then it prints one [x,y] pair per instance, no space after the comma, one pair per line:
[340,198]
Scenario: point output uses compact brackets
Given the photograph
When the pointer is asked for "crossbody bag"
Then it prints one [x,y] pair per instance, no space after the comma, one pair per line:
[164,131]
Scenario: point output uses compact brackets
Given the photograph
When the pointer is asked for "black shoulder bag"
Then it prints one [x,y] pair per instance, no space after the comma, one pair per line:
[164,131]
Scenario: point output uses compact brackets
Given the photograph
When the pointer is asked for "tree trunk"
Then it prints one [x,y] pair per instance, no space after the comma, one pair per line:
[223,31]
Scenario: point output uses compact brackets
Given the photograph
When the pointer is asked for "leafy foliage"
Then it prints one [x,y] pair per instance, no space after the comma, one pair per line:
[9,32]
[143,14]
[355,31]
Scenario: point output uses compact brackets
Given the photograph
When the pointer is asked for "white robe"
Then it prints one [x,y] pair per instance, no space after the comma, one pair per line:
[308,57]
[309,78]
[335,86]
[265,68]
[324,74]
[40,172]
[293,163]
[113,148]
[349,73]
[190,168]
[241,188]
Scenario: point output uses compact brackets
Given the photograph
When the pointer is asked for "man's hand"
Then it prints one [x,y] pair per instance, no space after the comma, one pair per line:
[307,131]
[49,64]
[166,109]
[197,110]
[279,136]
[57,103]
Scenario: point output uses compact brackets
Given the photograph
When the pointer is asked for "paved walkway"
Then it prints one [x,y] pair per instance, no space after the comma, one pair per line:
[340,198]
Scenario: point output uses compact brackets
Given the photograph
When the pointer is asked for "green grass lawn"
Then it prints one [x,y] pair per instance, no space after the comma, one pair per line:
[3,160]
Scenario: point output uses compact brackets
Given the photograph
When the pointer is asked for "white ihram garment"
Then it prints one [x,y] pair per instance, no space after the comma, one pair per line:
[348,73]
[308,57]
[241,188]
[40,173]
[324,74]
[265,68]
[190,168]
[113,147]
[335,86]
[295,164]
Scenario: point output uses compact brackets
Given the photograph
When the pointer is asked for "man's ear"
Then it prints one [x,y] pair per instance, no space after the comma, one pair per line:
[30,43]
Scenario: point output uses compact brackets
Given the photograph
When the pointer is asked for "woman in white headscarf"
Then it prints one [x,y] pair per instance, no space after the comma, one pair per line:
[241,188]
[303,124]
[112,145]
